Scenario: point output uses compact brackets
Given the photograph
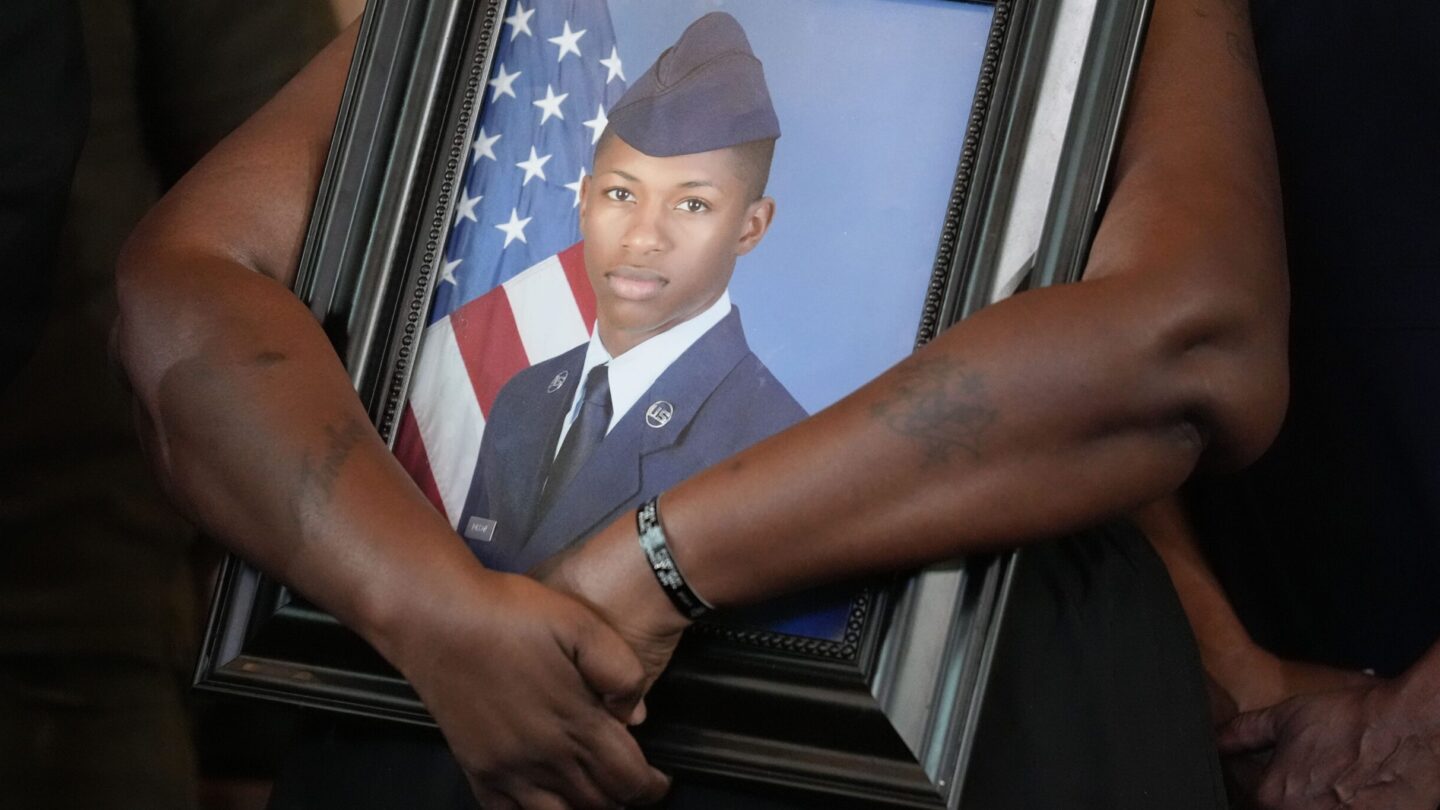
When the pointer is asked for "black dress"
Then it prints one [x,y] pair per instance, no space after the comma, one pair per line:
[1330,545]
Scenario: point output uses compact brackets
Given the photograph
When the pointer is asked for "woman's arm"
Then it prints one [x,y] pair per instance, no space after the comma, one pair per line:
[1250,676]
[1047,412]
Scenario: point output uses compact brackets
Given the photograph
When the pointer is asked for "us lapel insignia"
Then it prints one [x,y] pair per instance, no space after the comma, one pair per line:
[659,413]
[559,382]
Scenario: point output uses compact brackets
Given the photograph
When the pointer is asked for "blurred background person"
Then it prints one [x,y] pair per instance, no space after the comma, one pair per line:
[43,102]
[102,585]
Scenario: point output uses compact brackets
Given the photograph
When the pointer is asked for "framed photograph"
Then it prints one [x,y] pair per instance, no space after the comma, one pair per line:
[575,251]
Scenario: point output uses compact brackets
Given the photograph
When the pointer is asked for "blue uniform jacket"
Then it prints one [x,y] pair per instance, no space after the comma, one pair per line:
[722,399]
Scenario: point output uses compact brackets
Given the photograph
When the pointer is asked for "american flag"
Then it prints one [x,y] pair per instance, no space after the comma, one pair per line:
[512,290]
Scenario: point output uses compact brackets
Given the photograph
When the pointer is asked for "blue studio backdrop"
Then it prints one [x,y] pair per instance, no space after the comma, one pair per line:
[873,98]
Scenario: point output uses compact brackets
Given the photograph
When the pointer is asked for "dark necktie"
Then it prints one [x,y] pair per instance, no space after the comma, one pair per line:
[585,434]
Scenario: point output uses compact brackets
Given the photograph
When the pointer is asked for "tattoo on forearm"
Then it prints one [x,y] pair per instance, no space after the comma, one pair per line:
[340,440]
[269,357]
[941,404]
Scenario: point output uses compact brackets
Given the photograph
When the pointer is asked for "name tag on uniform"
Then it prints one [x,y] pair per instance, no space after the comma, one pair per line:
[479,528]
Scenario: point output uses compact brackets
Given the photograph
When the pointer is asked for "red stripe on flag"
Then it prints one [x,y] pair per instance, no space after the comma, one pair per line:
[489,344]
[573,260]
[410,449]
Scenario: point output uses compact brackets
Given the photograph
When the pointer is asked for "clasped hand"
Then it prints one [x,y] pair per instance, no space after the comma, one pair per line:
[533,693]
[1369,747]
[609,574]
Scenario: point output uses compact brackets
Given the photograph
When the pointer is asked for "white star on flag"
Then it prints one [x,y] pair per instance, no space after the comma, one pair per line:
[466,208]
[484,146]
[534,167]
[504,83]
[569,41]
[447,272]
[575,186]
[613,67]
[550,105]
[515,228]
[597,124]
[519,22]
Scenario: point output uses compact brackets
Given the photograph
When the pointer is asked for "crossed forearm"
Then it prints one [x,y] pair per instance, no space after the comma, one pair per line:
[258,434]
[256,431]
[1052,410]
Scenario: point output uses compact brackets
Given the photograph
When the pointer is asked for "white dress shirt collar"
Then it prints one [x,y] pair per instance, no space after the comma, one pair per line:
[632,373]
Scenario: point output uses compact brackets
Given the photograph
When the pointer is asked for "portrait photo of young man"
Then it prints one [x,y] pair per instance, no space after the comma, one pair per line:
[667,384]
[584,348]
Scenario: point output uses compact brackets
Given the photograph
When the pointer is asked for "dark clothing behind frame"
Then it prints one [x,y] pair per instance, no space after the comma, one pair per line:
[1330,546]
[99,594]
[43,102]
[1095,703]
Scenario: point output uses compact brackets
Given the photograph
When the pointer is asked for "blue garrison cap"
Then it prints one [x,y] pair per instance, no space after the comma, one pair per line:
[707,91]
